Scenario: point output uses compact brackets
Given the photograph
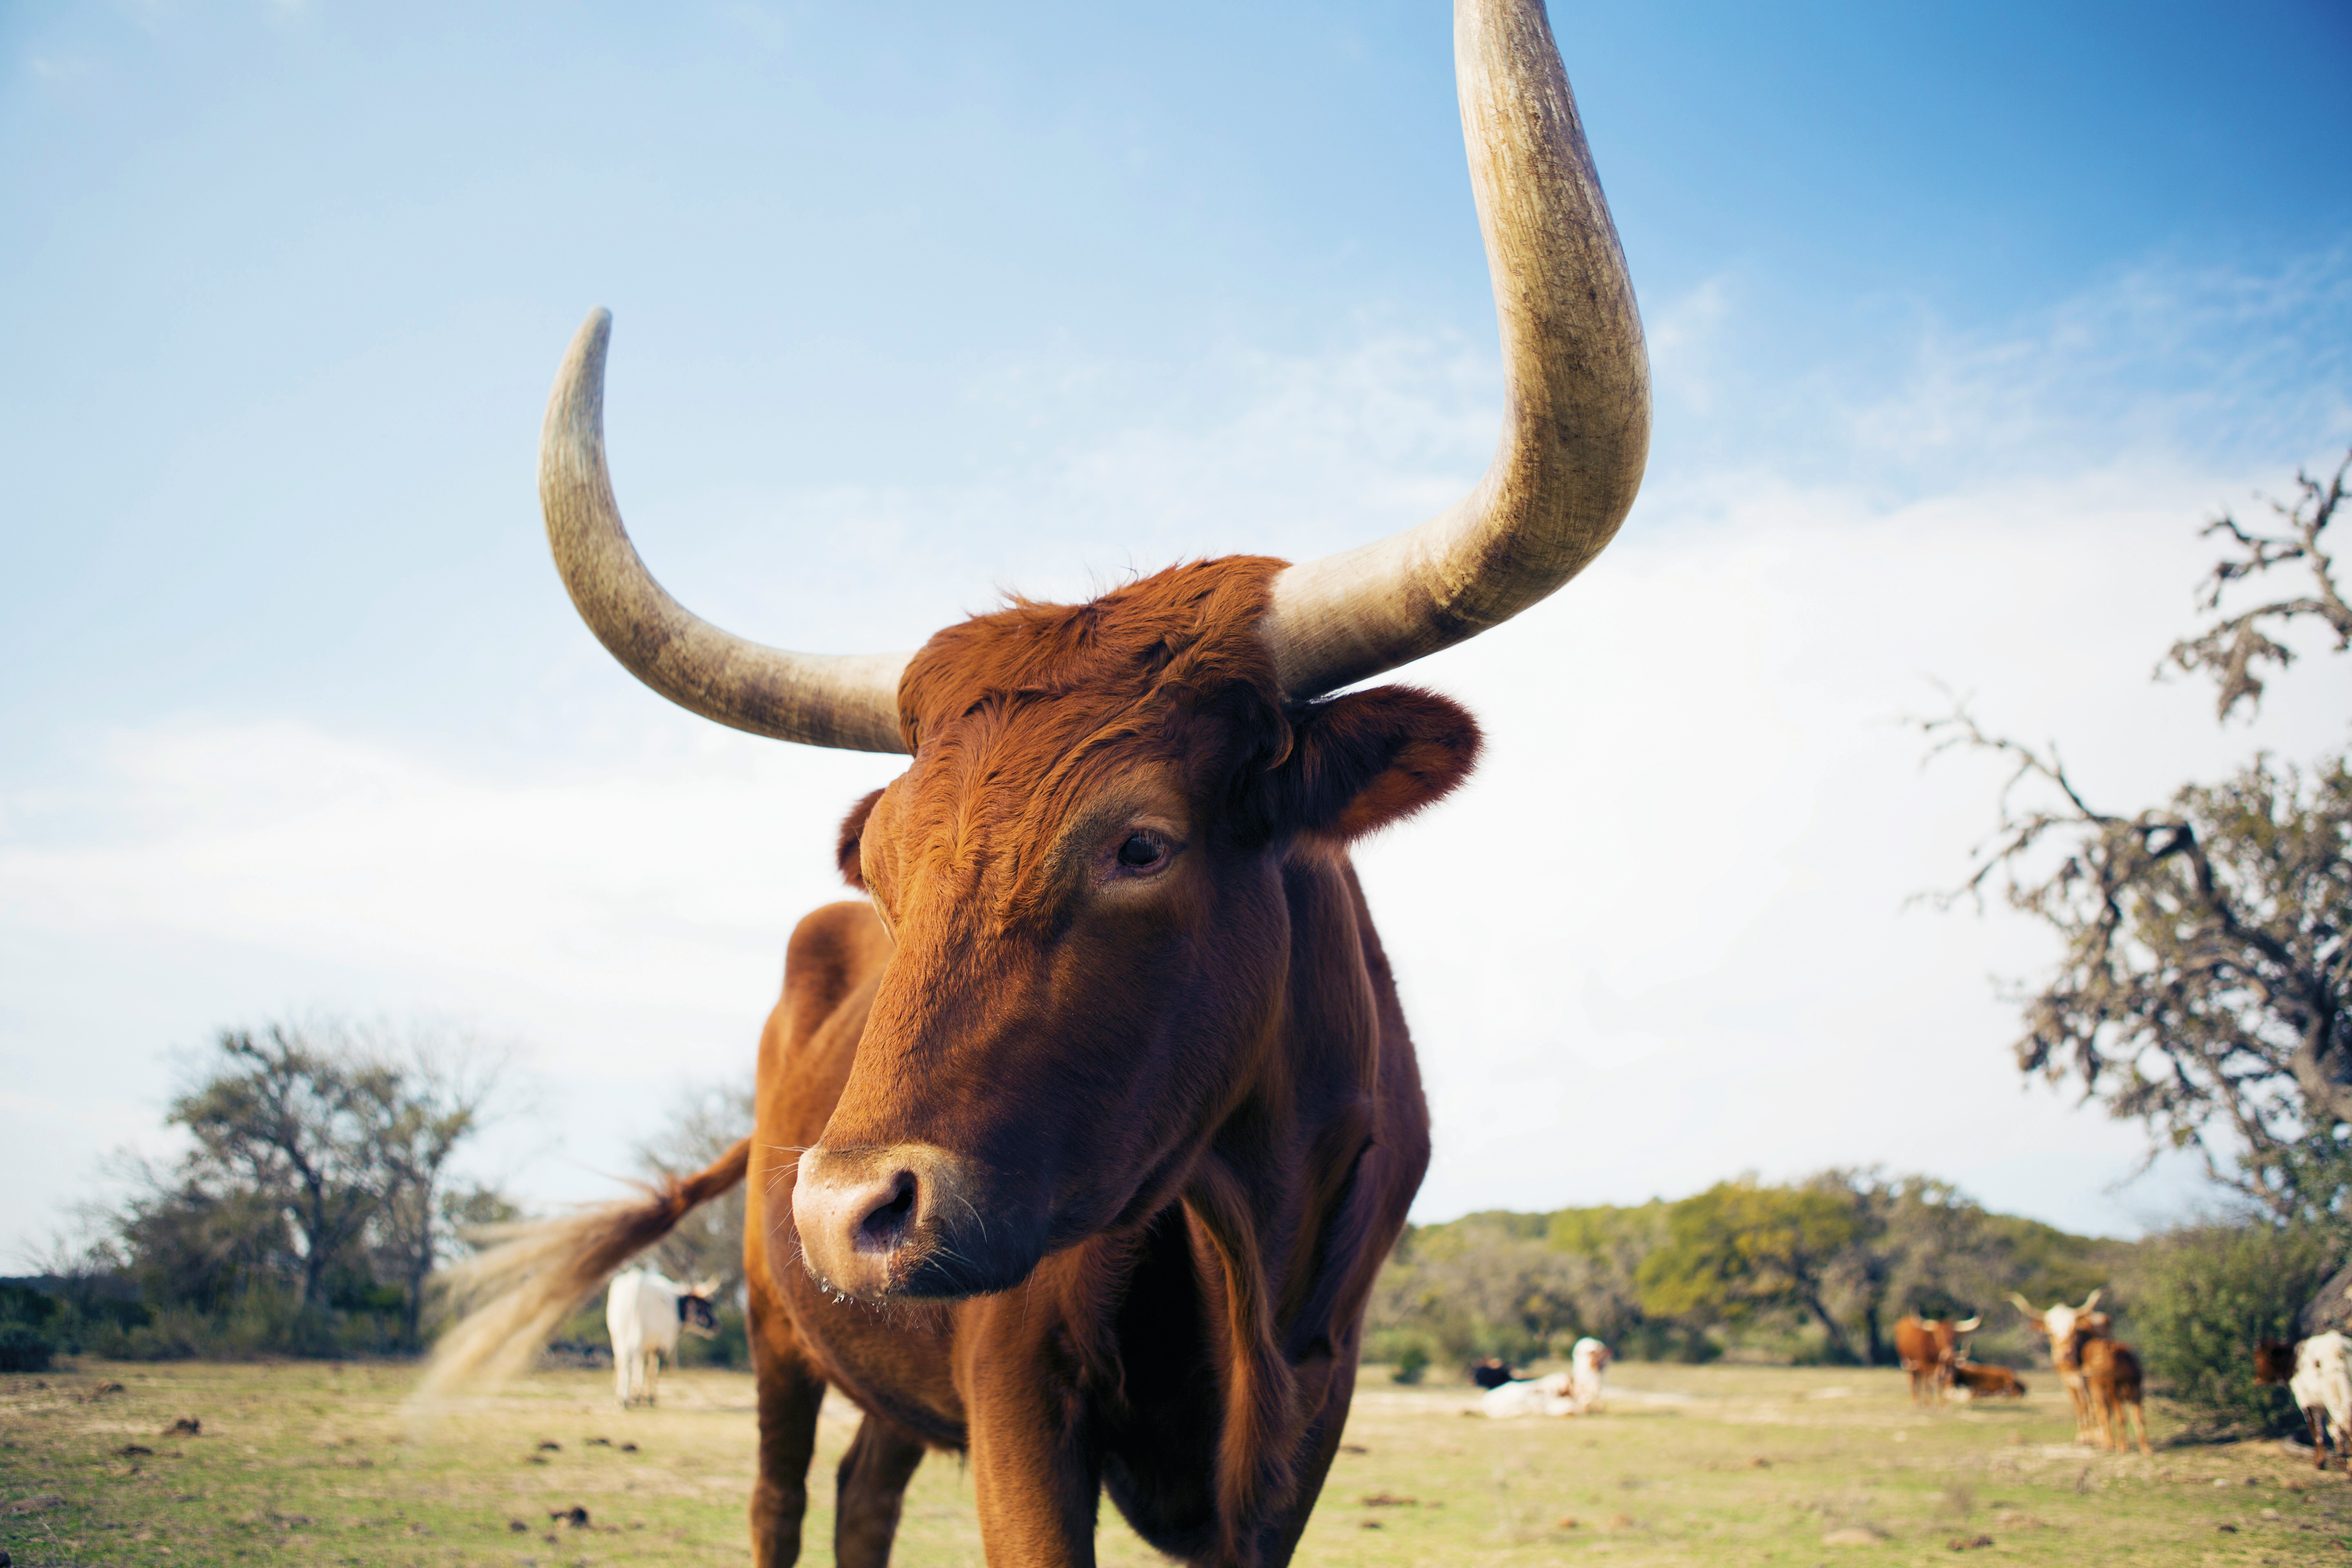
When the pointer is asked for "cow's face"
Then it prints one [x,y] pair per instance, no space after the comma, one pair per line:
[1083,874]
[694,1309]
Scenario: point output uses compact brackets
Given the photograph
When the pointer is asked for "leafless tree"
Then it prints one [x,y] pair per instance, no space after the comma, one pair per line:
[2205,987]
[431,1091]
[2232,649]
[704,1123]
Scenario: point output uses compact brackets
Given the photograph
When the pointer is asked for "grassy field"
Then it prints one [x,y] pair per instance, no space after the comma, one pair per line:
[319,1463]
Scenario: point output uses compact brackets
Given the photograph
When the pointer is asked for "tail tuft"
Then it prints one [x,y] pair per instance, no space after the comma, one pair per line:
[514,1295]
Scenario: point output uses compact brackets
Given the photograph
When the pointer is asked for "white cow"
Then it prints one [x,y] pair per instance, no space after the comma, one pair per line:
[1530,1397]
[1587,1365]
[644,1312]
[1571,1393]
[2322,1388]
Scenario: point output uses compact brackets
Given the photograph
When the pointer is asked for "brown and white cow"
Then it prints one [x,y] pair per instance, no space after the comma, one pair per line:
[1080,1139]
[2058,1325]
[2111,1384]
[1929,1349]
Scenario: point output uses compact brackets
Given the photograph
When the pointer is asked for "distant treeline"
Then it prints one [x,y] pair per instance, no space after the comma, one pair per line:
[1812,1272]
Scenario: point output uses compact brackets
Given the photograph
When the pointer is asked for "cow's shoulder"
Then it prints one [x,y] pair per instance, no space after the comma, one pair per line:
[832,951]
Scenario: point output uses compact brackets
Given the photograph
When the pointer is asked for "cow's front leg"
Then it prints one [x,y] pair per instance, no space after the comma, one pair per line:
[1327,1384]
[872,1487]
[1033,1474]
[789,1394]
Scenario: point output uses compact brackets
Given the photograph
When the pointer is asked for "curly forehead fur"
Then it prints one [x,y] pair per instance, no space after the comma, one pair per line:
[1056,683]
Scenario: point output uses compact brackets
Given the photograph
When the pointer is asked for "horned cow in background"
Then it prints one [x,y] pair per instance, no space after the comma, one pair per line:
[2111,1383]
[644,1312]
[1080,1139]
[2057,1325]
[1929,1349]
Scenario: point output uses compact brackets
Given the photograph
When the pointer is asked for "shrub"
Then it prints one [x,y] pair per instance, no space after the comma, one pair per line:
[1411,1363]
[23,1348]
[2204,1295]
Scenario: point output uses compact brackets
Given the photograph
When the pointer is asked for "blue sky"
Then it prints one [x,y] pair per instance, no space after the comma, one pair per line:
[1963,318]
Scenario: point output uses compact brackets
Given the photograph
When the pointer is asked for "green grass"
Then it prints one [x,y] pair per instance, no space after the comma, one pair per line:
[302,1462]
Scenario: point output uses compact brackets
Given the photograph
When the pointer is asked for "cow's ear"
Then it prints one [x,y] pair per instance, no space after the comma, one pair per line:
[1361,762]
[853,835]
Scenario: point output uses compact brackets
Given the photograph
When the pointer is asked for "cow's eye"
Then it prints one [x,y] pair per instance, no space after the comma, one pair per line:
[1141,852]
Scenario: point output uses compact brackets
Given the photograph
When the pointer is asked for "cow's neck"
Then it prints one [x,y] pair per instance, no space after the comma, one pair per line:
[1270,1192]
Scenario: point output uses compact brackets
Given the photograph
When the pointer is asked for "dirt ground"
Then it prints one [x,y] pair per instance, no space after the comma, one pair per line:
[303,1463]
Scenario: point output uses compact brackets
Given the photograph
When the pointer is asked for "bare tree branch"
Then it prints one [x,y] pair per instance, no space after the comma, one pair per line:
[2232,650]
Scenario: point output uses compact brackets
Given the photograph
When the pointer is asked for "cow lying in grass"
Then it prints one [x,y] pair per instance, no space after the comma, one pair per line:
[1576,1391]
[1970,1381]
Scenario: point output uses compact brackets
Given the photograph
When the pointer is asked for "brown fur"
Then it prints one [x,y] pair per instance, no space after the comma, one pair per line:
[1187,1102]
[2274,1361]
[1987,1381]
[2111,1382]
[1927,1348]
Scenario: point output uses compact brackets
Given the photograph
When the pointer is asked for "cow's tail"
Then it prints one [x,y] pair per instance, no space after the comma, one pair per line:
[514,1294]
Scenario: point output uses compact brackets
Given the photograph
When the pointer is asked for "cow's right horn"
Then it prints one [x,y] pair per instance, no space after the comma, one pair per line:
[1576,431]
[1970,1326]
[850,701]
[2091,1299]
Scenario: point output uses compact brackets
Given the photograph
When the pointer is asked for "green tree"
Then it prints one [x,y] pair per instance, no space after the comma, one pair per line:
[1741,1248]
[293,1124]
[2201,1298]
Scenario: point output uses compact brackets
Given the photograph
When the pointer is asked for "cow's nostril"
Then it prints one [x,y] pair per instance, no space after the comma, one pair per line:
[886,1226]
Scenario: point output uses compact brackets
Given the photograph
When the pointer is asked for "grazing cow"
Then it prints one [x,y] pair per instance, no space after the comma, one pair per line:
[644,1312]
[1492,1373]
[1929,1349]
[1079,1143]
[2111,1383]
[2321,1387]
[1970,1381]
[1588,1365]
[2058,1326]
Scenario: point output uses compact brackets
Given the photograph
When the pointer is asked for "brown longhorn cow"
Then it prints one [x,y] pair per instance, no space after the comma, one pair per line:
[1929,1348]
[1080,1139]
[2058,1325]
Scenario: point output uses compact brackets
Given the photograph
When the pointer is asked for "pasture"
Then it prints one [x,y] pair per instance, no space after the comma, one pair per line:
[308,1462]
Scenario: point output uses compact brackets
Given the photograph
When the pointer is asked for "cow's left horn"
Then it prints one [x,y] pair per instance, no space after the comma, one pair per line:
[1576,433]
[849,702]
[1970,1326]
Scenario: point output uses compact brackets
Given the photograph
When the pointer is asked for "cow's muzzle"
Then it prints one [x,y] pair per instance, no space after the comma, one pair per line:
[908,1221]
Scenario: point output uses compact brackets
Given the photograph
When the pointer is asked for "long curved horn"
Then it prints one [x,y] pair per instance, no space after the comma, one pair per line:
[1969,1326]
[1576,379]
[2091,1299]
[849,702]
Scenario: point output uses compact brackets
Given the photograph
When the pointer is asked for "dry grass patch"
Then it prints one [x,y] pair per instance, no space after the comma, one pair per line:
[301,1463]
